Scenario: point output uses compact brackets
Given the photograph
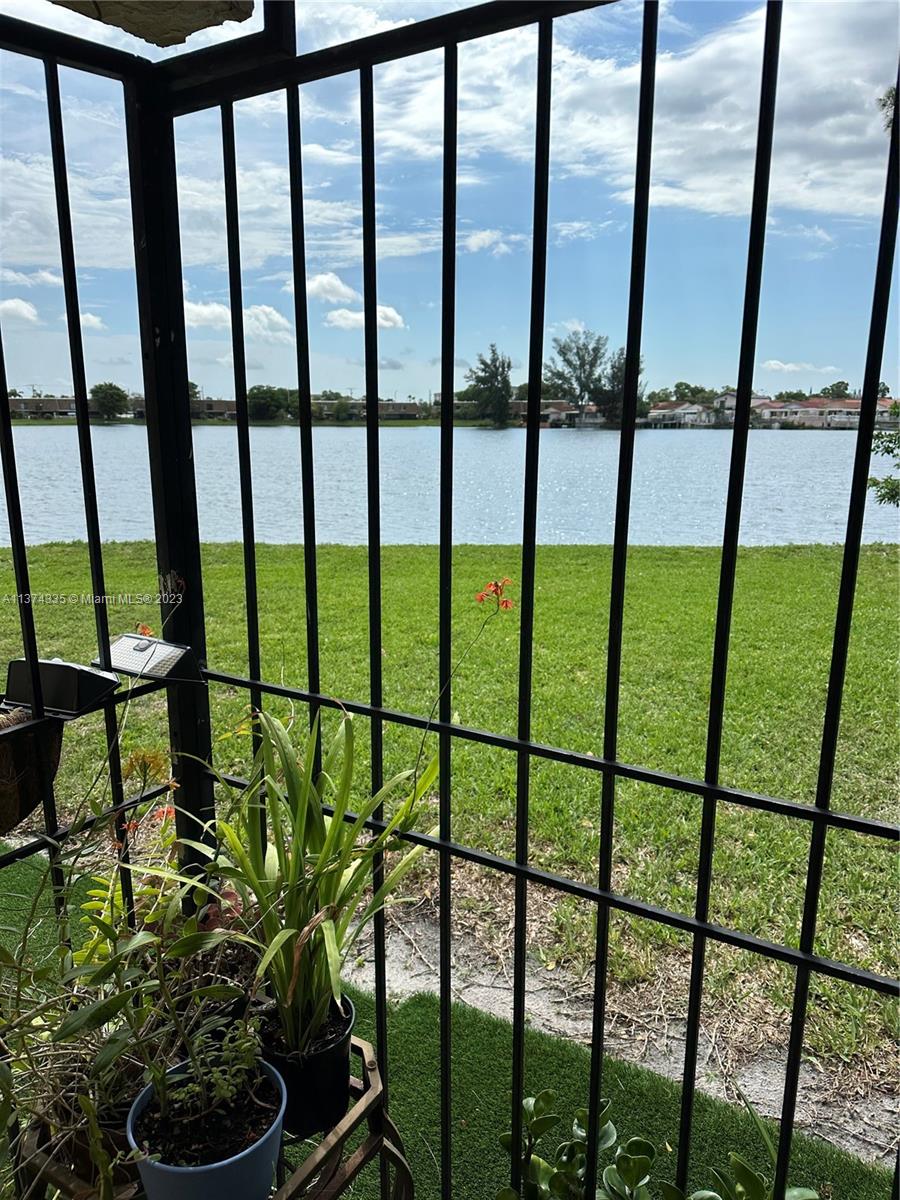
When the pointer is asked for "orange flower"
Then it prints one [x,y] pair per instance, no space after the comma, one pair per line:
[131,826]
[494,590]
[166,813]
[144,630]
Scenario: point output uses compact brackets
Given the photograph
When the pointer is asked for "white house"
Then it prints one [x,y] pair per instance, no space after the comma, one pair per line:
[725,402]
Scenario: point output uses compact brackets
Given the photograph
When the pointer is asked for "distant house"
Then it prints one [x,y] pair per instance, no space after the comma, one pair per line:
[678,414]
[558,414]
[725,403]
[697,414]
[828,412]
[664,414]
[41,407]
[589,417]
[396,410]
[770,411]
[208,409]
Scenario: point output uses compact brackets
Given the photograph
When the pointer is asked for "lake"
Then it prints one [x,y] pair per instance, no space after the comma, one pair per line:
[796,490]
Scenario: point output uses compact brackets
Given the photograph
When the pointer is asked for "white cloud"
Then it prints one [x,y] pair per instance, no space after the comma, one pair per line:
[17,309]
[262,323]
[92,321]
[579,231]
[489,239]
[200,314]
[345,318]
[30,278]
[341,154]
[830,150]
[227,360]
[328,287]
[775,364]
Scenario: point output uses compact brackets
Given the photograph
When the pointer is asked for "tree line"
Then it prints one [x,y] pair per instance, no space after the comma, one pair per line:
[582,372]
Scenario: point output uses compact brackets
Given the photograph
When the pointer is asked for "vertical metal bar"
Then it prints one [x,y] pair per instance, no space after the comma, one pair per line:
[841,643]
[242,419]
[157,252]
[86,454]
[26,612]
[631,384]
[752,289]
[445,665]
[529,535]
[373,496]
[307,478]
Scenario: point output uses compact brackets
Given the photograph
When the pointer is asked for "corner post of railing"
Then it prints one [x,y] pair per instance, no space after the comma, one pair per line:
[154,199]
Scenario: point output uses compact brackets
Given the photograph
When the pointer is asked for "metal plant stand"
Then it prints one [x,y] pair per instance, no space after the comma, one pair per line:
[325,1174]
[331,1168]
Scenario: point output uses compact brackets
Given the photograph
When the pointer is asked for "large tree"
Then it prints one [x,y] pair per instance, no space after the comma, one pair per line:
[266,403]
[109,399]
[689,393]
[612,396]
[577,373]
[490,386]
[797,394]
[659,396]
[839,390]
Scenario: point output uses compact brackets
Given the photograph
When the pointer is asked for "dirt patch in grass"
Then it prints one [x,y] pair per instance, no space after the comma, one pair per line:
[744,1032]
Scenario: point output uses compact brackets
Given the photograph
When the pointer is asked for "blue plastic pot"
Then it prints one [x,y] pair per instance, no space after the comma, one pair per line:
[245,1176]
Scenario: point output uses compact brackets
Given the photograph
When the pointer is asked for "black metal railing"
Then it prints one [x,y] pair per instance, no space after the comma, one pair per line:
[154,97]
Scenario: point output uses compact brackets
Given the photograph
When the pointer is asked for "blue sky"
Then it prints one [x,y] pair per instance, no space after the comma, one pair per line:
[828,177]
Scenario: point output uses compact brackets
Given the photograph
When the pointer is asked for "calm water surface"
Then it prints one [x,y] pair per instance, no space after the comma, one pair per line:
[796,490]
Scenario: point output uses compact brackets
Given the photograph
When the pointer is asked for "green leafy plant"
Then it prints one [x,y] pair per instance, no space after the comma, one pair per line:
[629,1176]
[305,892]
[562,1173]
[740,1181]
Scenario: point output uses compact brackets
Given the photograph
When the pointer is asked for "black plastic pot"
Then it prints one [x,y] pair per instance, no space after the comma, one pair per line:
[318,1082]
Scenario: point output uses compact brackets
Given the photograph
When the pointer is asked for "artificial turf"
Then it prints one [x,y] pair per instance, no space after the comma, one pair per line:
[642,1104]
[780,651]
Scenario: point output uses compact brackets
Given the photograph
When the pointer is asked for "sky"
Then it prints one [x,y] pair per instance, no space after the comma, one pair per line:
[830,154]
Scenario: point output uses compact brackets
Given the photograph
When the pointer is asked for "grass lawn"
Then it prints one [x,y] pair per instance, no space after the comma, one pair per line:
[783,625]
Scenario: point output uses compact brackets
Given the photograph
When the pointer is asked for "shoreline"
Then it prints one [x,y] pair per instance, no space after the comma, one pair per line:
[434,423]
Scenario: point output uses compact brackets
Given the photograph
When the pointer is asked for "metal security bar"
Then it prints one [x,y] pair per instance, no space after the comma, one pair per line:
[155,95]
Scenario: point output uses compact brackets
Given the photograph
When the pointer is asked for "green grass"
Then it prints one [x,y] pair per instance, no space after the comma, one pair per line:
[642,1103]
[783,625]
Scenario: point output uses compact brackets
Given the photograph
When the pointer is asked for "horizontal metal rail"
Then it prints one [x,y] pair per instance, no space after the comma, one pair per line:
[37,41]
[794,957]
[575,758]
[416,38]
[49,841]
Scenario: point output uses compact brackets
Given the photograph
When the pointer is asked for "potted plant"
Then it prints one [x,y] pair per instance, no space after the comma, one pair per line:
[210,1113]
[305,899]
[210,1125]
